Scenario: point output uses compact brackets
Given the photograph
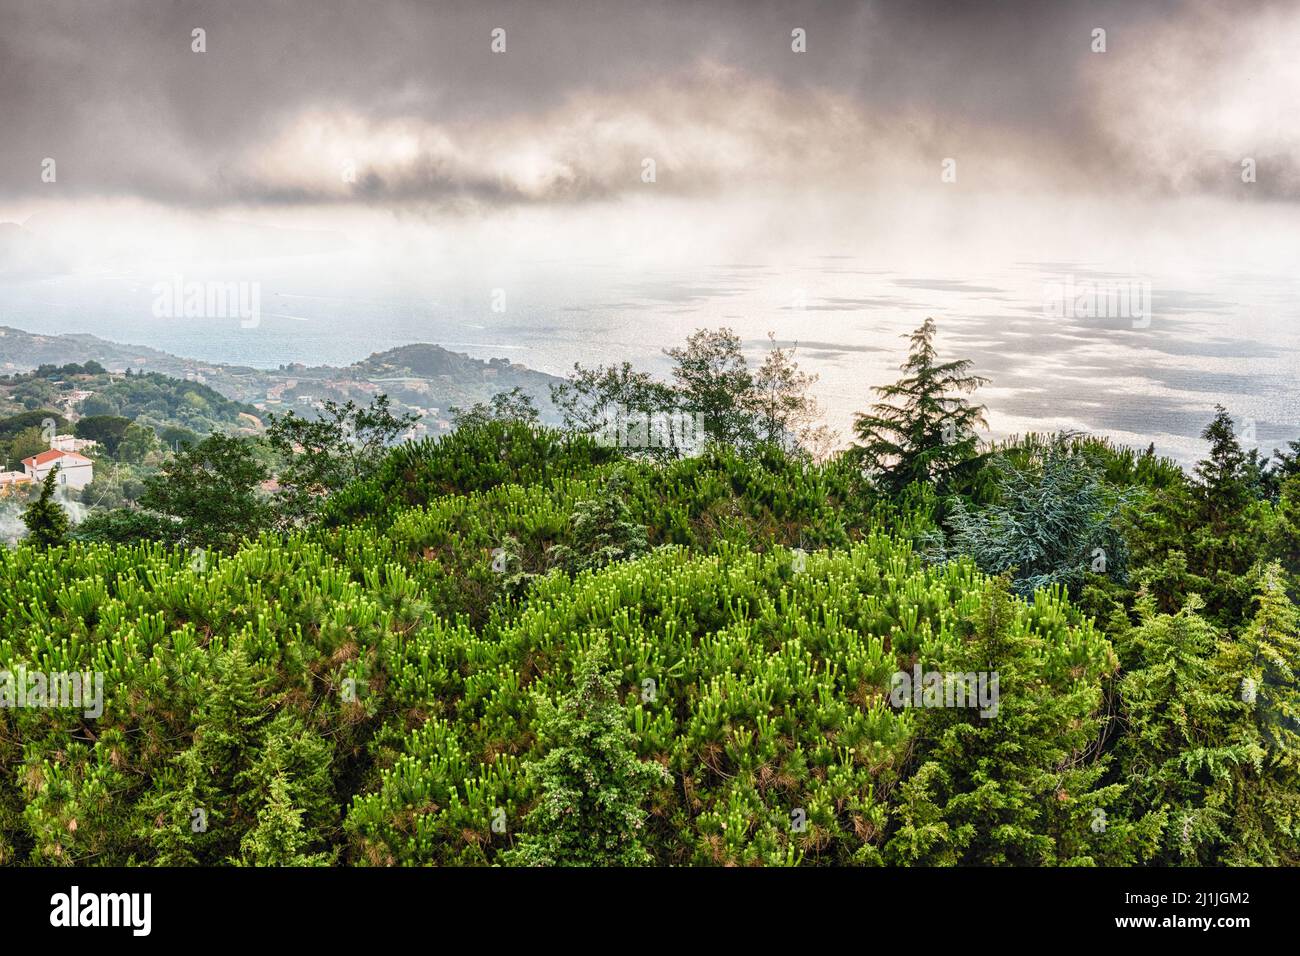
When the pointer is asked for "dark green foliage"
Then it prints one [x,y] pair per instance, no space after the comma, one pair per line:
[1205,535]
[1266,829]
[602,530]
[105,429]
[252,786]
[472,459]
[592,788]
[161,399]
[408,678]
[124,526]
[1286,464]
[922,430]
[175,438]
[1191,744]
[324,455]
[137,443]
[1054,522]
[46,520]
[11,426]
[1223,480]
[1014,787]
[211,493]
[27,443]
[512,406]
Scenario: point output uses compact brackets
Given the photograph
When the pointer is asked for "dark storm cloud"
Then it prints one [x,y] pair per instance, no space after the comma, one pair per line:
[112,92]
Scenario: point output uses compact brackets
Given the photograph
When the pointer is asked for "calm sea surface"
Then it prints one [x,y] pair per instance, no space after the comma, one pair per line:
[1230,338]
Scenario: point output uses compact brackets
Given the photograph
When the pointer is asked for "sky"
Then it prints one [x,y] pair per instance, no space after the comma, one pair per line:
[385,149]
[412,94]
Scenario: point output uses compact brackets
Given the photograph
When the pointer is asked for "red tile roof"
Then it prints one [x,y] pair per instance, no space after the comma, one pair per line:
[45,457]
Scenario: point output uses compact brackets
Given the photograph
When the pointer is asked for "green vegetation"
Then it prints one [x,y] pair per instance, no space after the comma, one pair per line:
[46,521]
[520,646]
[922,430]
[157,400]
[89,402]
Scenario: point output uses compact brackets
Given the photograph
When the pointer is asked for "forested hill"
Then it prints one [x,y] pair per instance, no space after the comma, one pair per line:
[423,379]
[72,398]
[522,646]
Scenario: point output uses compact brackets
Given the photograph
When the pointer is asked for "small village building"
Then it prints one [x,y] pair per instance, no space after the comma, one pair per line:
[72,443]
[75,470]
[11,481]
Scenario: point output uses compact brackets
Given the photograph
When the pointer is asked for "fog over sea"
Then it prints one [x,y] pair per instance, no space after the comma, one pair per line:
[1230,336]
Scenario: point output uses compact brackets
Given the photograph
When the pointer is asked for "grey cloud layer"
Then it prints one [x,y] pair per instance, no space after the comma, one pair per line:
[410,94]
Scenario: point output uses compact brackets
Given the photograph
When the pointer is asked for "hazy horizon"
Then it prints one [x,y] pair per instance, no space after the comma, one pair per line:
[384,176]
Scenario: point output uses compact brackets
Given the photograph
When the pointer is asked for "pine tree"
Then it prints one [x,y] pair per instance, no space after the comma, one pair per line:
[1055,521]
[1180,746]
[1222,477]
[603,531]
[279,838]
[1225,540]
[1285,535]
[1271,645]
[592,785]
[46,520]
[1265,664]
[1014,787]
[922,429]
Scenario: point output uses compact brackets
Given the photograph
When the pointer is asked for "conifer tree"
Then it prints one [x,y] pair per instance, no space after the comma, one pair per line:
[46,520]
[1055,521]
[603,530]
[1285,535]
[508,564]
[1180,745]
[592,785]
[1265,660]
[1013,787]
[279,839]
[1222,477]
[922,429]
[1225,540]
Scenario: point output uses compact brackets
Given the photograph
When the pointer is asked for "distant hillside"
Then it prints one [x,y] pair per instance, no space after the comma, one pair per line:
[24,351]
[73,390]
[423,379]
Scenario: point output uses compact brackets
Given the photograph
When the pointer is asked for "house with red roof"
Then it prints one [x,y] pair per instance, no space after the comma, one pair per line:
[75,470]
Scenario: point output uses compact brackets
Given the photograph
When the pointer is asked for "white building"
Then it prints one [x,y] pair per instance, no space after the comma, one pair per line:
[71,443]
[75,471]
